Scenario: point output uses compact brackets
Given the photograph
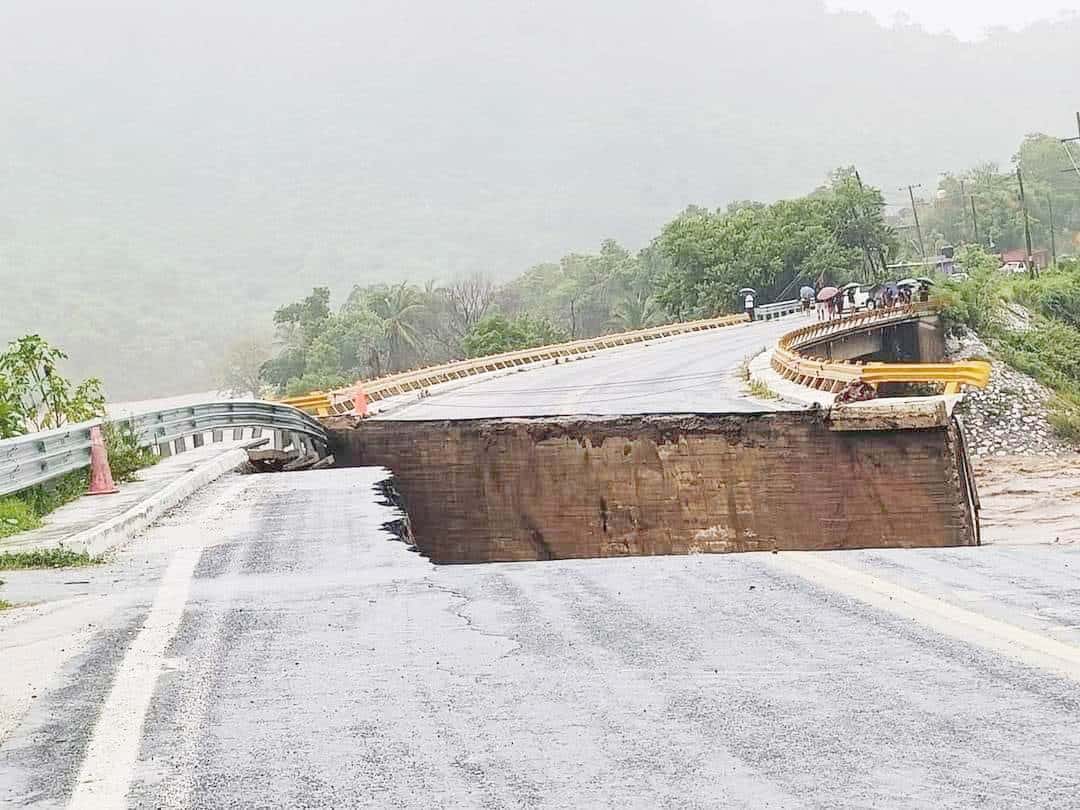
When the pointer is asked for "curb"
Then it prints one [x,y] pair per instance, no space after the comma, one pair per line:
[761,370]
[118,530]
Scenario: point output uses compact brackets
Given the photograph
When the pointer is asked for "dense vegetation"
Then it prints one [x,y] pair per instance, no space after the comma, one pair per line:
[172,172]
[693,268]
[1047,348]
[35,396]
[982,205]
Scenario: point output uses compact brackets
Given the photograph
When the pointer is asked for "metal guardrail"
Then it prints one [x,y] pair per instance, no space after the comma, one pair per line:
[767,312]
[341,401]
[35,458]
[791,358]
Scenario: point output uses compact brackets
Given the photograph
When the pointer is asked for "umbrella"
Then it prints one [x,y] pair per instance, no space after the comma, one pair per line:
[849,285]
[807,292]
[924,280]
[827,293]
[747,291]
[907,282]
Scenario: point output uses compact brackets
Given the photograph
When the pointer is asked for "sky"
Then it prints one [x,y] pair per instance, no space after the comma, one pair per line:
[968,19]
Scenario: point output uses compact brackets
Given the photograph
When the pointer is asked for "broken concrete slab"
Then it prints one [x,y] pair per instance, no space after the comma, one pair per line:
[555,488]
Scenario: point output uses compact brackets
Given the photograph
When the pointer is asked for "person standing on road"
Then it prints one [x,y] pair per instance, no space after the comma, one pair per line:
[749,302]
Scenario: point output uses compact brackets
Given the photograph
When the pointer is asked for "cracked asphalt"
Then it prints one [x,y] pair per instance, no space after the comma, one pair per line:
[293,654]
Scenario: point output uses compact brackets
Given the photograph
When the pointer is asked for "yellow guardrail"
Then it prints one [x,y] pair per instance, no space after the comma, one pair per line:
[316,404]
[790,358]
[343,400]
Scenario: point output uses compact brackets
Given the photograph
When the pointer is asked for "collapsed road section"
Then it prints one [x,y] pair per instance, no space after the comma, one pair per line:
[487,490]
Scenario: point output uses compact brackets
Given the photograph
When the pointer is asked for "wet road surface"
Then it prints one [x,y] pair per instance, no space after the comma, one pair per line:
[268,645]
[697,372]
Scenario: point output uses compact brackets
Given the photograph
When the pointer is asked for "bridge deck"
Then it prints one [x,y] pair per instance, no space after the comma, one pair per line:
[696,372]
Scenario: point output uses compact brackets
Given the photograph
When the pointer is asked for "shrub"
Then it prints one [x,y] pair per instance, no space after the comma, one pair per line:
[46,558]
[1064,418]
[51,495]
[1054,294]
[126,456]
[974,303]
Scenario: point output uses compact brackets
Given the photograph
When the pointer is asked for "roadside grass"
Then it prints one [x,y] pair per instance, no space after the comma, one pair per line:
[761,390]
[5,604]
[24,510]
[744,367]
[46,558]
[16,516]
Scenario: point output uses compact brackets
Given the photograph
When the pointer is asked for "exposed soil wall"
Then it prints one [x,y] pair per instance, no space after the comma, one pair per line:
[553,488]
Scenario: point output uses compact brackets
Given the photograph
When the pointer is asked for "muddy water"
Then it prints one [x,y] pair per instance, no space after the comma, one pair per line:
[1029,499]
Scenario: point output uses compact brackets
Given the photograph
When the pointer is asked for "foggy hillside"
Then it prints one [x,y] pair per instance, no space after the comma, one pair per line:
[168,177]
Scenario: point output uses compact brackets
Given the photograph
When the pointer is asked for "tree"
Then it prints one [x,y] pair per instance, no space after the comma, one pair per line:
[497,334]
[469,300]
[304,320]
[400,310]
[769,248]
[36,396]
[240,374]
[637,310]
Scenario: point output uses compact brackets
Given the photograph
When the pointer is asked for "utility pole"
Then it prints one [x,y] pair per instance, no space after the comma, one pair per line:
[1027,224]
[1053,238]
[974,219]
[963,212]
[915,212]
[1065,145]
[868,257]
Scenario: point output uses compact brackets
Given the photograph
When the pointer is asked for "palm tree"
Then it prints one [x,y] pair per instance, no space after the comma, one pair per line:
[400,310]
[636,311]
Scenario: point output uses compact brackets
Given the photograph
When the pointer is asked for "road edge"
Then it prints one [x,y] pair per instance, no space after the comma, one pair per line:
[118,530]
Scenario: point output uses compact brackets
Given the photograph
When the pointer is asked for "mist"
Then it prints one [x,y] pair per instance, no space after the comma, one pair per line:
[168,176]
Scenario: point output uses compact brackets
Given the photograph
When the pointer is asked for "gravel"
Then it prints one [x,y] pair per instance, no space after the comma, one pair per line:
[1009,416]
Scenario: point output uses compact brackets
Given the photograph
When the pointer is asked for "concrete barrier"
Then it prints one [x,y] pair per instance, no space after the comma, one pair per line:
[555,488]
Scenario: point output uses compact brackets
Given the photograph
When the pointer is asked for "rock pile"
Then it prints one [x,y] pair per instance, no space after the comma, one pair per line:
[1009,416]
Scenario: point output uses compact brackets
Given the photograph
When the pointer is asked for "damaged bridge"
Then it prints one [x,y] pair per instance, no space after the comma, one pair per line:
[547,465]
[482,490]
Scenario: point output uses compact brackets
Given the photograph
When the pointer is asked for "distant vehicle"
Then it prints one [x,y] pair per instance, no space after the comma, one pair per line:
[857,296]
[1014,267]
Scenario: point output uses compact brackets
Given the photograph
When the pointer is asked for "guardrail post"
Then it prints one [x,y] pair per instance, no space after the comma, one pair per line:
[237,434]
[180,445]
[197,440]
[217,436]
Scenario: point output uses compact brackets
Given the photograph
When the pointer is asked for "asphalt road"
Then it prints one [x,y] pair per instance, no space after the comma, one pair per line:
[268,645]
[695,372]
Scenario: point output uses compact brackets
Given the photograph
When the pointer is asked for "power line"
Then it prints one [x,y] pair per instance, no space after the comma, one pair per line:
[915,213]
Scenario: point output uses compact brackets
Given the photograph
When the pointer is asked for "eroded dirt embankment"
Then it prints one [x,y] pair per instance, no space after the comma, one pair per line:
[555,488]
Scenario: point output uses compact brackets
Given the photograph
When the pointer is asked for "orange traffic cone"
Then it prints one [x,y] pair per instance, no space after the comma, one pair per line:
[101,482]
[360,401]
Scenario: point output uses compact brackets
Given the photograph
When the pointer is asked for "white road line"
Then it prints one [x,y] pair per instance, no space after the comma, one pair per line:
[1007,639]
[107,768]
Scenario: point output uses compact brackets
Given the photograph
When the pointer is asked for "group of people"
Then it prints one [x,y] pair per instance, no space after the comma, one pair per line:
[894,296]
